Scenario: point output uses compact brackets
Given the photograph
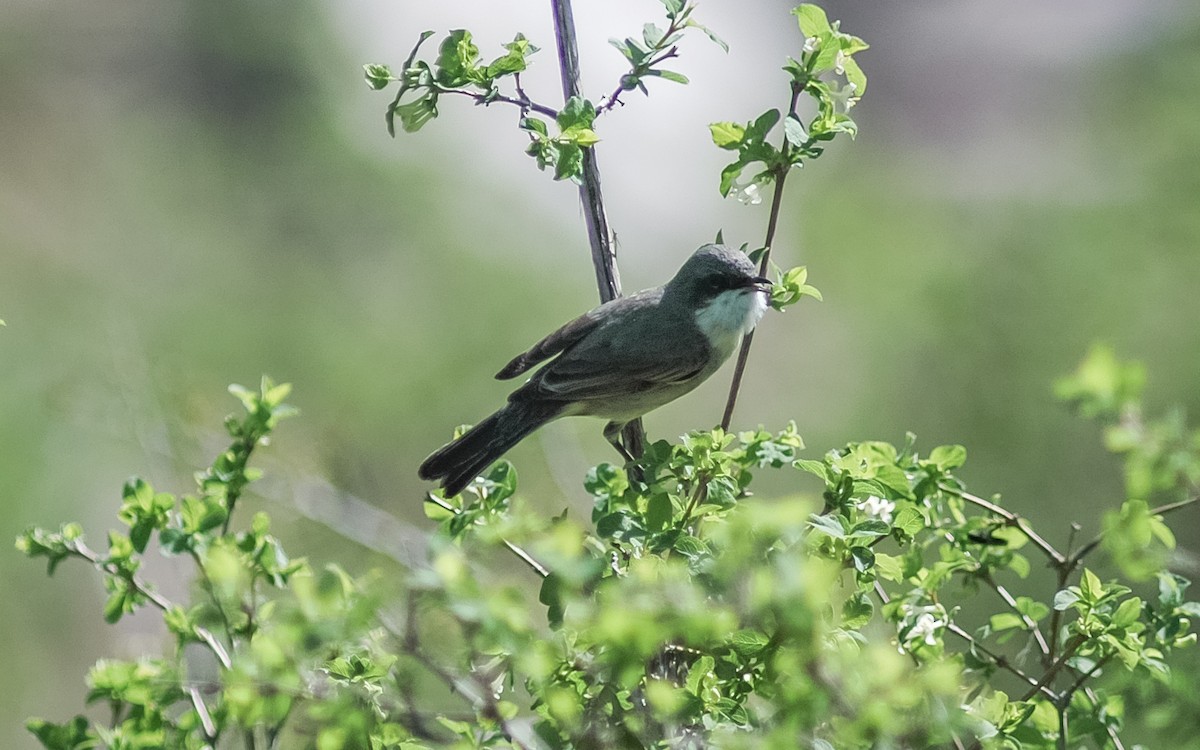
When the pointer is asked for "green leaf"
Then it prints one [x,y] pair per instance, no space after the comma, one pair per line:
[1128,613]
[1006,621]
[909,520]
[855,75]
[857,611]
[813,21]
[948,457]
[1090,587]
[569,162]
[727,135]
[674,7]
[416,113]
[669,75]
[748,642]
[729,175]
[830,525]
[710,34]
[1031,608]
[576,113]
[1065,599]
[513,62]
[658,511]
[378,76]
[73,735]
[763,124]
[794,131]
[458,60]
[888,566]
[584,137]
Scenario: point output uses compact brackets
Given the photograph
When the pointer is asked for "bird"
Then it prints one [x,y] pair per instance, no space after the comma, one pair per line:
[619,361]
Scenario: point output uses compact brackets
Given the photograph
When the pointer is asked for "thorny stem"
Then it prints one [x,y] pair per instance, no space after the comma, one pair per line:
[521,101]
[615,97]
[772,223]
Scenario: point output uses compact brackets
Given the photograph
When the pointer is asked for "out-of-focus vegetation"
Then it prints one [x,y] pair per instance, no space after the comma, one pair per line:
[183,203]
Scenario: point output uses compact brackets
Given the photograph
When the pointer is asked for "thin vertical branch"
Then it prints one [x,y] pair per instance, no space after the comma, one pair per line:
[772,222]
[604,256]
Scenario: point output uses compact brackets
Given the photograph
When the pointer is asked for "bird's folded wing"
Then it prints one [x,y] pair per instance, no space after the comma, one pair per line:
[599,373]
[552,344]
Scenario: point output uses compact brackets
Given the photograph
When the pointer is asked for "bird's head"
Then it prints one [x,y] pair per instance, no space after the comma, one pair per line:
[722,288]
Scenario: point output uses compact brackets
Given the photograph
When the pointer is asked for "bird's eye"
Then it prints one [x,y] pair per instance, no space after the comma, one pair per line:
[718,283]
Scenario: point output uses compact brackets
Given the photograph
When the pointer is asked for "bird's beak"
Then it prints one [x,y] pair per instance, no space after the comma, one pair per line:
[759,284]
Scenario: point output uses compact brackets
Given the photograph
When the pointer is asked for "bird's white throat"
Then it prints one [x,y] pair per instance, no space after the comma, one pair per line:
[729,315]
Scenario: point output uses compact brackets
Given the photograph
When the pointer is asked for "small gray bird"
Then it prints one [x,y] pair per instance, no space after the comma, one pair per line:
[619,361]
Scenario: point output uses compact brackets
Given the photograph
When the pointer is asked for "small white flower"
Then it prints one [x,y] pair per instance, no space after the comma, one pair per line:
[877,507]
[749,195]
[925,628]
[812,44]
[839,64]
[844,97]
[771,453]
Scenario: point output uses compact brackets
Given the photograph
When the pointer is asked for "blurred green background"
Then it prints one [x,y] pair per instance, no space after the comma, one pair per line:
[198,192]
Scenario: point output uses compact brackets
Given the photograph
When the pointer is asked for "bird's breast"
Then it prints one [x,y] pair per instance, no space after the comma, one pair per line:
[728,316]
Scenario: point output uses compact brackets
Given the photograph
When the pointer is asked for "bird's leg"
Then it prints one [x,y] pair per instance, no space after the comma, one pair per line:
[612,433]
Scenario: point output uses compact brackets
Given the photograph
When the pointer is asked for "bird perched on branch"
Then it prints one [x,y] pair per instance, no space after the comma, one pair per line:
[619,361]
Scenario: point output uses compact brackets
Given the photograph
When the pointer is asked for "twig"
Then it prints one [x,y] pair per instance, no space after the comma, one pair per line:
[1001,661]
[206,722]
[155,598]
[1011,519]
[1030,623]
[1161,510]
[523,101]
[1055,668]
[772,222]
[615,97]
[525,557]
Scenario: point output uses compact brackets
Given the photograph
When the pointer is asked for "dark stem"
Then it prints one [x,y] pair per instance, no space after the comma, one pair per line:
[772,222]
[604,257]
[615,97]
[1055,668]
[521,101]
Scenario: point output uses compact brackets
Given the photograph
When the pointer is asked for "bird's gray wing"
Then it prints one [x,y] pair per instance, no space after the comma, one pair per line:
[608,366]
[564,337]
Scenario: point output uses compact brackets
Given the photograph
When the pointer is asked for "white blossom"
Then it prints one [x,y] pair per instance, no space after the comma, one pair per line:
[877,507]
[770,453]
[925,628]
[749,195]
[844,97]
[839,64]
[811,44]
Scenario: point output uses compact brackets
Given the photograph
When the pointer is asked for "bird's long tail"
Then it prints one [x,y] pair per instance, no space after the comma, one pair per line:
[460,461]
